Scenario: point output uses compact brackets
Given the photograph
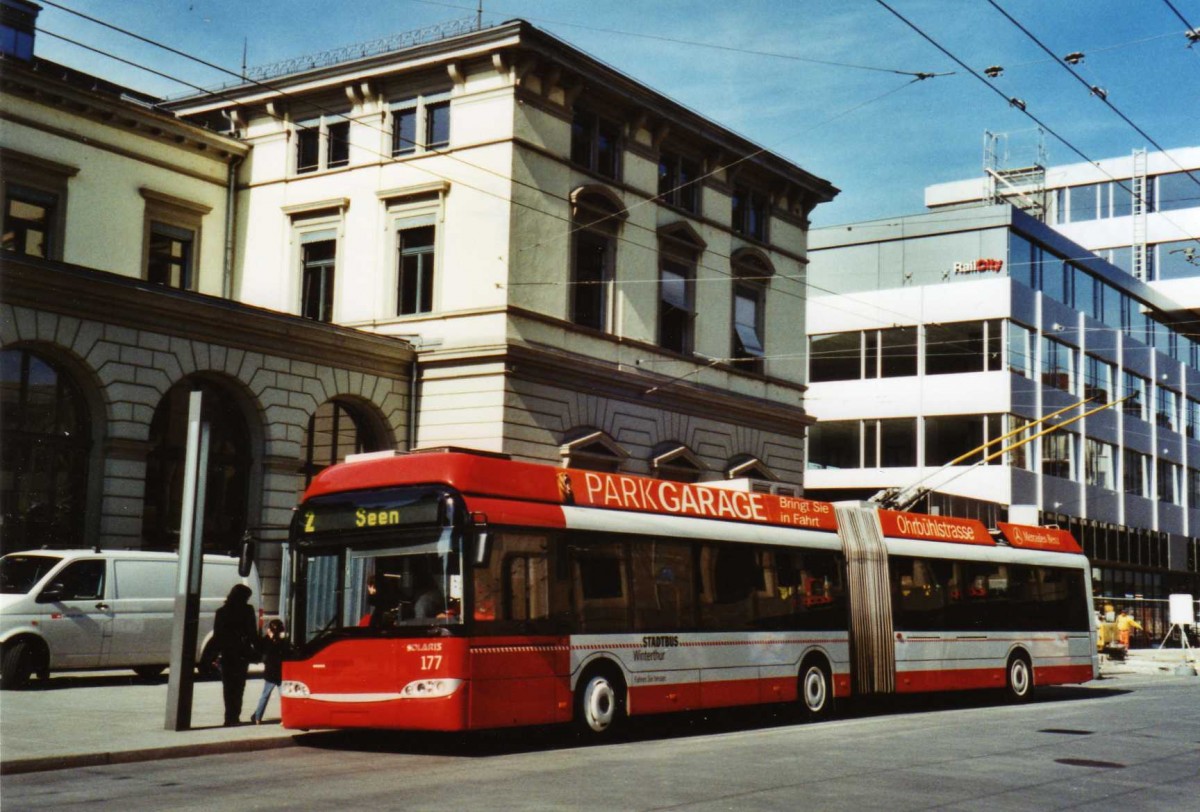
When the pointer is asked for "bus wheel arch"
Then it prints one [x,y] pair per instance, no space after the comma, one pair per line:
[1018,676]
[600,700]
[815,686]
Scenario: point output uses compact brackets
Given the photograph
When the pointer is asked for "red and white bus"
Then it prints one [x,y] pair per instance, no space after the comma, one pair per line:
[455,590]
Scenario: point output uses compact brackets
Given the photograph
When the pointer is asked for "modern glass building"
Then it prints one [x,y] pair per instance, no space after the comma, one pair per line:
[932,334]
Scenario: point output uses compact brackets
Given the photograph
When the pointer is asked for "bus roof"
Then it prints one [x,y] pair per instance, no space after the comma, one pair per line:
[482,478]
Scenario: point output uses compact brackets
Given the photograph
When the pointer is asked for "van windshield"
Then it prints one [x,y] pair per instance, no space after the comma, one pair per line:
[20,573]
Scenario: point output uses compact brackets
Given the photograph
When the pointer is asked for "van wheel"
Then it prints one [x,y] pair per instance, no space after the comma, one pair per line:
[600,704]
[149,671]
[16,666]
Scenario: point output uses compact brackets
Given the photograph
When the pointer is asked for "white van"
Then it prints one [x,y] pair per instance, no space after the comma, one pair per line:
[67,610]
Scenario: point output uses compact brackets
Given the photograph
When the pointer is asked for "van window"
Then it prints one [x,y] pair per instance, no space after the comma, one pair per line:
[145,579]
[81,581]
[20,573]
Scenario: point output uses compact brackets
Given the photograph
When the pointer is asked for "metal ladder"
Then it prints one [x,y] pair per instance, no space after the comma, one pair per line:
[1141,205]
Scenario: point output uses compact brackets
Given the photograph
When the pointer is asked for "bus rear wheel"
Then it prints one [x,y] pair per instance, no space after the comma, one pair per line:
[1018,685]
[816,689]
[600,704]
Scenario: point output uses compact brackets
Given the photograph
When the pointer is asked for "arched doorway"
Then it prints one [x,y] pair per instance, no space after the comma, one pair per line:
[230,459]
[46,443]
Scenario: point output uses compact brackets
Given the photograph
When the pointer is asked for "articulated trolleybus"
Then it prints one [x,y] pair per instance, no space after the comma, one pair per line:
[457,590]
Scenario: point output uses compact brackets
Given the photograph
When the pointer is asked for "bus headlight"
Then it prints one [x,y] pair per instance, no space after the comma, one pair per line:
[293,689]
[430,688]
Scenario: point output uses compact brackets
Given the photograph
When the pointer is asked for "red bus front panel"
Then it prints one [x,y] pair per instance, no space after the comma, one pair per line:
[379,683]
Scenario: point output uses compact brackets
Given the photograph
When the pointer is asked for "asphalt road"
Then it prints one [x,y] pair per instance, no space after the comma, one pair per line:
[1128,744]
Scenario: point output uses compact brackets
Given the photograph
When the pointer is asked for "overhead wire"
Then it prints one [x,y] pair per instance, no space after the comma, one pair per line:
[449,154]
[723,277]
[1019,105]
[1091,89]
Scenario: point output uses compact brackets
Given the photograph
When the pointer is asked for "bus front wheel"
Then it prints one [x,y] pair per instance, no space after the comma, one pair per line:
[816,689]
[600,704]
[1018,686]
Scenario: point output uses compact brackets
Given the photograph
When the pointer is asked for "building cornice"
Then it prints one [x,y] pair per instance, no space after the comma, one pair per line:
[69,290]
[127,117]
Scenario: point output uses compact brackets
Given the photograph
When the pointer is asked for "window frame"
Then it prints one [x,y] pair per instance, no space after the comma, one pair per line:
[169,215]
[39,175]
[588,129]
[678,188]
[750,213]
[423,107]
[332,151]
[310,224]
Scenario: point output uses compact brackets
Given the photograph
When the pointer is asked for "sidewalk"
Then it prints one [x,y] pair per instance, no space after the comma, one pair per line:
[1162,662]
[110,717]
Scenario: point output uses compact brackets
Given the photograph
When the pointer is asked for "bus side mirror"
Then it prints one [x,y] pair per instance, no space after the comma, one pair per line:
[246,559]
[482,548]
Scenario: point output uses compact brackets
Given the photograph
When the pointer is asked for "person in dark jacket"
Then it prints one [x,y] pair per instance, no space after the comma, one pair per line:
[234,637]
[274,647]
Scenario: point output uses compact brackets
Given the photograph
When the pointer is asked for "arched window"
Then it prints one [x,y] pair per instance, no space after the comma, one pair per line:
[752,271]
[679,250]
[335,430]
[43,467]
[227,484]
[596,217]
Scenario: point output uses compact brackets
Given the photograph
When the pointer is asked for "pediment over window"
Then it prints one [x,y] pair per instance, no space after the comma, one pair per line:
[593,450]
[683,235]
[752,264]
[746,466]
[677,462]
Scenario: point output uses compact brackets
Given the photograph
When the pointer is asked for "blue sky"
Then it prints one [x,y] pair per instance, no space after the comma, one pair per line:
[811,80]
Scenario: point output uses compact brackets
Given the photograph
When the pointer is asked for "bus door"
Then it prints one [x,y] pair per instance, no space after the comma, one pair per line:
[520,657]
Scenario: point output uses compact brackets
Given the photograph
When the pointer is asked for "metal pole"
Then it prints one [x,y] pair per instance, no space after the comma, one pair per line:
[187,585]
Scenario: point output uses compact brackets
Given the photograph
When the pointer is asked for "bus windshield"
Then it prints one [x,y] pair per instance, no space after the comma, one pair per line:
[386,577]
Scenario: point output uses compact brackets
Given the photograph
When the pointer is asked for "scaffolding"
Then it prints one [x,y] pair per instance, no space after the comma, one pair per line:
[1022,186]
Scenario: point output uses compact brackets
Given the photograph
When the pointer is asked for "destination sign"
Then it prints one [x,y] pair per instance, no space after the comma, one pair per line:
[933,528]
[1039,538]
[372,513]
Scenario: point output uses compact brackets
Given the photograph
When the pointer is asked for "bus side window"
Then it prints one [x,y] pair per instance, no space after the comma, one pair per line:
[729,578]
[527,593]
[601,590]
[516,584]
[662,585]
[919,598]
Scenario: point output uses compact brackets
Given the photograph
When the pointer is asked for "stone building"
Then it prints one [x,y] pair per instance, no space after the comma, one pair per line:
[487,240]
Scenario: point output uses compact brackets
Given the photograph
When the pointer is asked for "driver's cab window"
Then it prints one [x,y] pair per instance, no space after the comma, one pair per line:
[79,581]
[404,586]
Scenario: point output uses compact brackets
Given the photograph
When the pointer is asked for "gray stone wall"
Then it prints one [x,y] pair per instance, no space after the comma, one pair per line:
[125,372]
